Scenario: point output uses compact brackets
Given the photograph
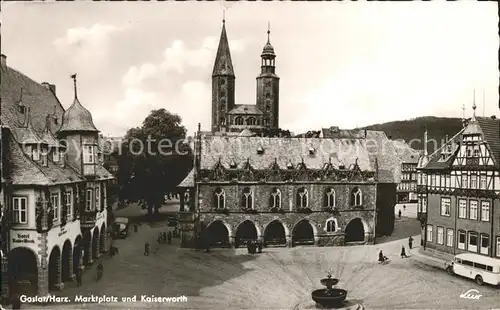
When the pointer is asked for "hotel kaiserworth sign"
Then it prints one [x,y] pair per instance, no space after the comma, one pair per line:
[23,238]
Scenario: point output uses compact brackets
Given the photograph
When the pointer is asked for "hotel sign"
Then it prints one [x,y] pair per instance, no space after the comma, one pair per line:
[62,232]
[23,238]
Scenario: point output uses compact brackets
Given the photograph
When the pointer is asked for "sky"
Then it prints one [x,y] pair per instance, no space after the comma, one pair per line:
[341,64]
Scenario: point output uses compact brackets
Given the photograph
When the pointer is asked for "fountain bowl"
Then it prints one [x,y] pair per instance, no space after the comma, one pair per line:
[329,298]
[329,282]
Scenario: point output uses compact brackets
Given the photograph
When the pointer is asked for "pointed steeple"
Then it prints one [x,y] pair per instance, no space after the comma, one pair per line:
[223,64]
[474,107]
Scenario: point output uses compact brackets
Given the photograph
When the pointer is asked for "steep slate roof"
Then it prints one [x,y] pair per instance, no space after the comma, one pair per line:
[434,159]
[245,109]
[39,99]
[405,152]
[491,134]
[384,155]
[284,150]
[77,118]
[223,64]
[188,180]
[25,171]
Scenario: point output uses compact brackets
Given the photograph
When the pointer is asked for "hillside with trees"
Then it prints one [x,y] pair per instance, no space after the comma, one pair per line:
[413,129]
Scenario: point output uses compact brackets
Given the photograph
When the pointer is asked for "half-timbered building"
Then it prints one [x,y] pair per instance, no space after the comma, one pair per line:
[55,187]
[407,188]
[459,187]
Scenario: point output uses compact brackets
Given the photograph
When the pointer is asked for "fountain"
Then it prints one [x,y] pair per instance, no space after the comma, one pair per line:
[329,297]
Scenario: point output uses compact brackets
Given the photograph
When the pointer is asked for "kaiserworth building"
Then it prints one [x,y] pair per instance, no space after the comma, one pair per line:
[54,187]
[459,188]
[283,191]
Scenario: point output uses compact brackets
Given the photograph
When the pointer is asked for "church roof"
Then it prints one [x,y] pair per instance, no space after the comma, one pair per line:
[223,64]
[268,49]
[245,109]
[77,118]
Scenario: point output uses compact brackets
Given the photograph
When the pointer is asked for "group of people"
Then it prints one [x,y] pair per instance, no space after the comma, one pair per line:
[384,259]
[254,246]
[164,237]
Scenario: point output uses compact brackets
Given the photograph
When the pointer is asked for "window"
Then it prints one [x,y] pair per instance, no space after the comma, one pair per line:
[462,208]
[36,154]
[268,96]
[445,206]
[473,181]
[20,210]
[276,199]
[331,225]
[440,235]
[472,244]
[88,202]
[485,211]
[247,198]
[461,239]
[55,156]
[464,181]
[302,198]
[477,152]
[485,244]
[449,237]
[482,181]
[433,180]
[429,233]
[220,198]
[54,200]
[88,154]
[419,179]
[330,198]
[473,209]
[238,120]
[424,204]
[251,121]
[356,197]
[498,246]
[268,108]
[69,203]
[97,199]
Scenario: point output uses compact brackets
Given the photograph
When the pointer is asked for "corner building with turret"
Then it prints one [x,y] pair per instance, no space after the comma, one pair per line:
[54,187]
[335,190]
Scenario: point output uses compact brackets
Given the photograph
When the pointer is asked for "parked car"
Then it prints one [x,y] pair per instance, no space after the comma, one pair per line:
[121,227]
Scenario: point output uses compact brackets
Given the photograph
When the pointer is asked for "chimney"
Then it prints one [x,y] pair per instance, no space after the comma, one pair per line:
[3,60]
[50,87]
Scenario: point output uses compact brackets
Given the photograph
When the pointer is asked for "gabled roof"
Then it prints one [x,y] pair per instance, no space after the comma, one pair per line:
[384,155]
[25,134]
[491,134]
[39,99]
[77,118]
[435,162]
[223,64]
[245,109]
[188,180]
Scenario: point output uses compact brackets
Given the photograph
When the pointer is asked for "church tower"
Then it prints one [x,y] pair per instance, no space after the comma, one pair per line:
[268,86]
[223,81]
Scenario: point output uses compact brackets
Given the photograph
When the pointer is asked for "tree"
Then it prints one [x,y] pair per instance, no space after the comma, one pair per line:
[154,159]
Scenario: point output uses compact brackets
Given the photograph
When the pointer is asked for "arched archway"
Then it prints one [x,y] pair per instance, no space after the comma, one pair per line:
[55,268]
[102,239]
[355,231]
[66,268]
[245,232]
[217,234]
[77,256]
[95,243]
[275,234]
[303,233]
[23,271]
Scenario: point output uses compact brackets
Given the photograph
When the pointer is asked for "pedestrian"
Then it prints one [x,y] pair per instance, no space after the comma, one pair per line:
[15,300]
[169,237]
[404,207]
[164,236]
[146,249]
[79,277]
[399,213]
[136,227]
[403,252]
[100,271]
[410,242]
[259,246]
[159,238]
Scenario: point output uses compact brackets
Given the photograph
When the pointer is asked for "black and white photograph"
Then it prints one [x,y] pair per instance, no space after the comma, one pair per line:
[250,155]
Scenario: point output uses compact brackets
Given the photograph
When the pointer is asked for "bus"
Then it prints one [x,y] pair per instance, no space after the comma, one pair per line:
[482,269]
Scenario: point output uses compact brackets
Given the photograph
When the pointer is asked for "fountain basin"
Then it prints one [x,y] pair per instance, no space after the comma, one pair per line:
[329,282]
[329,298]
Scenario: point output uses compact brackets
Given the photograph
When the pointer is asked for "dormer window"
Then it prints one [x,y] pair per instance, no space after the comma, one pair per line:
[88,154]
[289,166]
[55,155]
[260,150]
[44,159]
[22,109]
[35,154]
[56,121]
[311,151]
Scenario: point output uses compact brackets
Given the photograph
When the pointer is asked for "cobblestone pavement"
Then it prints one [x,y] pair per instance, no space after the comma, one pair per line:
[279,278]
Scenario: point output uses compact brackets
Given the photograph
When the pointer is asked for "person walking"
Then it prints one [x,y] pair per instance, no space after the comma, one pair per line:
[410,242]
[404,207]
[146,249]
[15,301]
[169,238]
[79,277]
[160,235]
[399,213]
[100,271]
[403,252]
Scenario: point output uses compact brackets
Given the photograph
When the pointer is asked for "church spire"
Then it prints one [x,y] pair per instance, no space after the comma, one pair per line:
[223,64]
